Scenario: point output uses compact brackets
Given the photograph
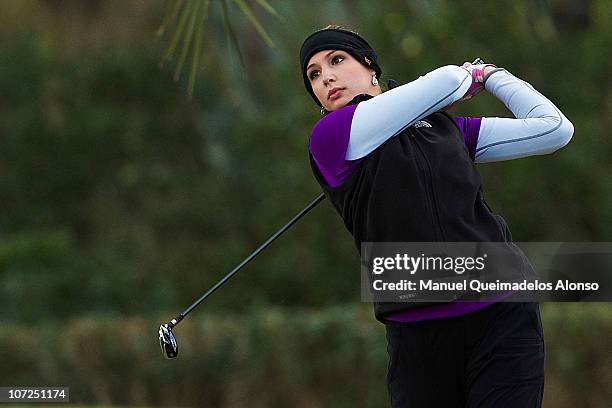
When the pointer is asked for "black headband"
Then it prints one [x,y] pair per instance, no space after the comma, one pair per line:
[336,39]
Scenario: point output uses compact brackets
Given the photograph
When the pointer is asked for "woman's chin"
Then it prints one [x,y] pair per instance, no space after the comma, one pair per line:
[338,103]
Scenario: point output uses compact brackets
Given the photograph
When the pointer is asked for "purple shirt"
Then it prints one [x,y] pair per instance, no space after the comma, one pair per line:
[329,141]
[328,144]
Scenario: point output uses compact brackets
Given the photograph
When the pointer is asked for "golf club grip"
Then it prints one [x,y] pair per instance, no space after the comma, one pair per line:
[263,246]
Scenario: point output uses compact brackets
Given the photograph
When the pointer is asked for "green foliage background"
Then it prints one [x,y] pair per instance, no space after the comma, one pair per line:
[121,199]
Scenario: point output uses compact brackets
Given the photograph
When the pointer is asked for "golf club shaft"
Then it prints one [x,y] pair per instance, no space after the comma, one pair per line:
[263,246]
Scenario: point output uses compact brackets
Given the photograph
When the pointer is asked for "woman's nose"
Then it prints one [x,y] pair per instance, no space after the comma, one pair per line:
[327,78]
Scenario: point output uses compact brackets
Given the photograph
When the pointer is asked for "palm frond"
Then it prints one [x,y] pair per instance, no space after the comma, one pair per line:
[249,14]
[187,39]
[232,34]
[266,6]
[179,30]
[174,7]
[197,48]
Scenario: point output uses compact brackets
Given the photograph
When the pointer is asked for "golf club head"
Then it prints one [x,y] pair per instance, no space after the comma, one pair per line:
[167,341]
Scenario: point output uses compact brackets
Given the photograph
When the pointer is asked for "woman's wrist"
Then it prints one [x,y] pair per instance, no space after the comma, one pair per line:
[488,69]
[489,74]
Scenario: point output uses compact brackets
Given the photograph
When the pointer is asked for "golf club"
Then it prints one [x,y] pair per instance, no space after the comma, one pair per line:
[167,341]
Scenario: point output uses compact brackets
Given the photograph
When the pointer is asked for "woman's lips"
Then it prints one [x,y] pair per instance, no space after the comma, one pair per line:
[335,95]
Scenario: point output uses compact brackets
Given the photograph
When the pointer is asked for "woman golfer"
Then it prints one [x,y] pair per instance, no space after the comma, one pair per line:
[397,168]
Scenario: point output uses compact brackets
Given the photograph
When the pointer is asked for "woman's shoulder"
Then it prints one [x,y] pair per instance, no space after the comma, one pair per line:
[341,116]
[330,137]
[333,125]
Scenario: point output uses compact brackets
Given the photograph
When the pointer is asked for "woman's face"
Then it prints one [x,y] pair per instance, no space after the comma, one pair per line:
[336,78]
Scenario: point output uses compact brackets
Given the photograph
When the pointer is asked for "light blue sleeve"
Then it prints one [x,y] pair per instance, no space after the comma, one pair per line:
[386,115]
[539,128]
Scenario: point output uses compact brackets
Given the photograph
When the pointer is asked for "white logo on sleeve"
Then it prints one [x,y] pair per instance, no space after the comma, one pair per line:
[421,123]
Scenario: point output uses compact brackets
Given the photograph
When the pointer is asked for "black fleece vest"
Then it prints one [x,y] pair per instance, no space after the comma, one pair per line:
[418,186]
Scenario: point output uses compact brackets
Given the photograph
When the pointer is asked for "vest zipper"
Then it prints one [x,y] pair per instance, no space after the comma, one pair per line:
[431,194]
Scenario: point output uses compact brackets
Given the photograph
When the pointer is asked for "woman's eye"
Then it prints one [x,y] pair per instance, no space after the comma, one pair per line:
[336,59]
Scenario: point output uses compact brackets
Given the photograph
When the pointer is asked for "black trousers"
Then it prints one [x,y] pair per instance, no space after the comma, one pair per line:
[490,358]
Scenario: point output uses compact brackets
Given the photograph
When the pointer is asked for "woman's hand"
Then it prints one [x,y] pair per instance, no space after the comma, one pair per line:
[478,72]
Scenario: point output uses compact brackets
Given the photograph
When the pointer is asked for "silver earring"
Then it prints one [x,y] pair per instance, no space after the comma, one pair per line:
[323,111]
[374,80]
